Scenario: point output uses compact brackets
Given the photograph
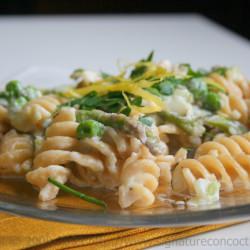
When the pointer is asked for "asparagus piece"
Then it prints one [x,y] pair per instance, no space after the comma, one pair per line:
[191,127]
[76,193]
[226,125]
[126,125]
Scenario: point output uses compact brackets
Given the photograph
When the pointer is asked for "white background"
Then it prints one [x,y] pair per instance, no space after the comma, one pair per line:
[97,42]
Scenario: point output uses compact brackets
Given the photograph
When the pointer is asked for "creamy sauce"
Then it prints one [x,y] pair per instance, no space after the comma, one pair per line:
[20,189]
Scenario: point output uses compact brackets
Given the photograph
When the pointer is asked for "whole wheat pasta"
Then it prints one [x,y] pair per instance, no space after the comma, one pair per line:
[16,153]
[153,129]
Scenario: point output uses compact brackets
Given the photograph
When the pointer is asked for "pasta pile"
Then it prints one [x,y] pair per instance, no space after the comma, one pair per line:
[154,129]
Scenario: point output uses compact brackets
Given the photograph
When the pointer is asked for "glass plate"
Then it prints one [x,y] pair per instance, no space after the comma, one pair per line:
[22,199]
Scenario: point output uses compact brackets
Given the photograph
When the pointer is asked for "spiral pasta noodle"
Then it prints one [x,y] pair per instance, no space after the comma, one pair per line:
[232,146]
[235,76]
[16,152]
[224,158]
[60,142]
[112,150]
[227,84]
[141,175]
[235,107]
[39,178]
[132,133]
[235,102]
[101,163]
[61,148]
[34,114]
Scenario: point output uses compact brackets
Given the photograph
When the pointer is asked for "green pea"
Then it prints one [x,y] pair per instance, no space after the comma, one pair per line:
[212,102]
[14,88]
[89,128]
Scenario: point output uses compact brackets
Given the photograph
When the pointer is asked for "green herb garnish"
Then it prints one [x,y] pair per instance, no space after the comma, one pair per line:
[76,193]
[113,102]
[139,70]
[149,58]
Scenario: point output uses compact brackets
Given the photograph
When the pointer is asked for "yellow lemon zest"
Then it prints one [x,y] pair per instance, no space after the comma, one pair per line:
[157,103]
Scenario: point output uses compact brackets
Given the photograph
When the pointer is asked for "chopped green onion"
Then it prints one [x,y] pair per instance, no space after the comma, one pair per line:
[76,193]
[89,128]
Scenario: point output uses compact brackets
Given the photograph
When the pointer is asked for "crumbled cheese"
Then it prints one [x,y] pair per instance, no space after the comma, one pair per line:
[206,192]
[90,76]
[180,102]
[185,93]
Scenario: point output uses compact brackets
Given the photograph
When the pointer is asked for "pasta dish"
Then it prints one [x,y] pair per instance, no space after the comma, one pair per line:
[156,130]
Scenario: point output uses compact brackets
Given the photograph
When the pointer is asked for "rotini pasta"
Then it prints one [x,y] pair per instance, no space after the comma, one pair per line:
[231,173]
[16,152]
[34,114]
[141,175]
[233,82]
[39,178]
[226,158]
[235,101]
[232,146]
[61,146]
[154,130]
[235,107]
[227,84]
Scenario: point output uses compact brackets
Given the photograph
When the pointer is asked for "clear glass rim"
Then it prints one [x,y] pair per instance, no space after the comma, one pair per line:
[86,217]
[36,74]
